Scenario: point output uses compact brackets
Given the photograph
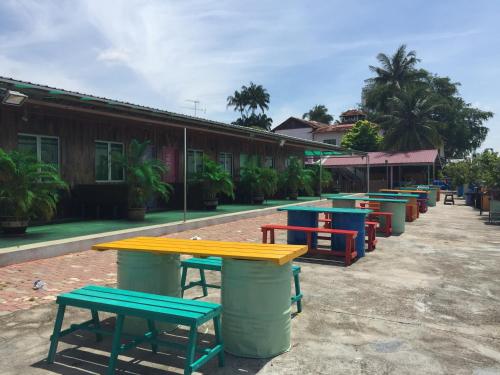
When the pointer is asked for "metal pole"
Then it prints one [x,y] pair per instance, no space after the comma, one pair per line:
[367,173]
[428,174]
[392,176]
[320,173]
[386,174]
[185,174]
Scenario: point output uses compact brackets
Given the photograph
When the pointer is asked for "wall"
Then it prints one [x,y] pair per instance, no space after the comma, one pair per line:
[303,133]
[78,132]
[320,137]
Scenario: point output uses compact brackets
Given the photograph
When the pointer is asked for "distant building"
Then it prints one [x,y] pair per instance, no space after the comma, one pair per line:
[321,132]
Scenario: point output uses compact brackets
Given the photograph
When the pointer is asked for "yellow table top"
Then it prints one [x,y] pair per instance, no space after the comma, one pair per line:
[276,253]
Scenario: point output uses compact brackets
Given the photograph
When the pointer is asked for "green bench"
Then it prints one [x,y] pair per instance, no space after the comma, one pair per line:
[215,264]
[151,307]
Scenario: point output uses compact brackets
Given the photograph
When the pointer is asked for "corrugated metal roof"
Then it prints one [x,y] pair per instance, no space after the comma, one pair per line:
[201,123]
[419,157]
[340,128]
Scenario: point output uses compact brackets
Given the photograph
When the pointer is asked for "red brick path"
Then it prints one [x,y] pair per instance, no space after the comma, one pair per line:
[68,272]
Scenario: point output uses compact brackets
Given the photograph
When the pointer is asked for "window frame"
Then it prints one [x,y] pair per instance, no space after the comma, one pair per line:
[109,143]
[38,138]
[330,143]
[225,154]
[195,151]
[273,164]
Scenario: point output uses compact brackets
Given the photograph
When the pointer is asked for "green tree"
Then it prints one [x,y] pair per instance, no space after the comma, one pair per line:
[409,123]
[460,127]
[248,101]
[363,136]
[318,113]
[396,70]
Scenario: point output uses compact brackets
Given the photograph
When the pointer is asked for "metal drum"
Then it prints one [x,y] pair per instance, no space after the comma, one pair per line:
[398,215]
[149,273]
[257,311]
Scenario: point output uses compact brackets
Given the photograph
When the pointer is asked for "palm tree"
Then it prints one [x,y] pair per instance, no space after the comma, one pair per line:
[409,123]
[318,113]
[257,97]
[238,101]
[247,101]
[396,70]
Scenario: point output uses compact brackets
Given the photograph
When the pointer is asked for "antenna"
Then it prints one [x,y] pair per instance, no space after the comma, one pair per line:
[195,107]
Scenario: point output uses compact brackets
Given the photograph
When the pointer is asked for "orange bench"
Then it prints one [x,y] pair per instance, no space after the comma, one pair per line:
[349,253]
[387,227]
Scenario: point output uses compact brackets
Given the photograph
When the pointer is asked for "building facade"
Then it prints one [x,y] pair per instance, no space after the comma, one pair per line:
[81,134]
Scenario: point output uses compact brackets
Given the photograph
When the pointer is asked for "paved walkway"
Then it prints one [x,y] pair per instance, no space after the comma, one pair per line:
[64,273]
[426,302]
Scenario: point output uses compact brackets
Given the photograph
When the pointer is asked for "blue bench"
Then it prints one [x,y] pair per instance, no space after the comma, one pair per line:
[215,264]
[151,307]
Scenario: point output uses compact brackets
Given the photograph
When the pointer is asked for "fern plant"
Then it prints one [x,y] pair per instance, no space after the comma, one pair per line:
[214,180]
[29,189]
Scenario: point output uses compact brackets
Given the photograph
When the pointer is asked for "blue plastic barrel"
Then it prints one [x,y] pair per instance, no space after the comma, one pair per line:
[349,221]
[460,190]
[302,219]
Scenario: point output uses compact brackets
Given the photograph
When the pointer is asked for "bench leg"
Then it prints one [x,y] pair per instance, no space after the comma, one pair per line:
[115,349]
[298,296]
[264,235]
[193,337]
[154,333]
[97,324]
[54,339]
[218,339]
[272,235]
[183,280]
[203,282]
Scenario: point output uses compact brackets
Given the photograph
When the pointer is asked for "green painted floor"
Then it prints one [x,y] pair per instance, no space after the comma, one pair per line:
[81,228]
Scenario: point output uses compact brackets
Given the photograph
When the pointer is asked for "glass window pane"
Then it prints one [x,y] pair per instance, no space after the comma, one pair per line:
[198,161]
[50,151]
[116,169]
[190,163]
[27,143]
[101,161]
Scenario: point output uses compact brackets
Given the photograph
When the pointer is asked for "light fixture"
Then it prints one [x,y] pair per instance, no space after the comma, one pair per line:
[282,142]
[14,98]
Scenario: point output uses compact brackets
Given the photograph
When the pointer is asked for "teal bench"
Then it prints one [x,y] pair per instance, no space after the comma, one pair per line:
[215,264]
[151,307]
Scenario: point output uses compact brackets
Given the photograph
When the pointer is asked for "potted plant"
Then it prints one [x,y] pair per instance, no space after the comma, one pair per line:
[144,179]
[296,178]
[214,180]
[326,179]
[29,189]
[259,182]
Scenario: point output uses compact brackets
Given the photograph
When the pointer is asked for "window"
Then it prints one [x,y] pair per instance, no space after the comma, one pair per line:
[332,141]
[194,162]
[226,160]
[106,165]
[44,148]
[269,162]
[246,159]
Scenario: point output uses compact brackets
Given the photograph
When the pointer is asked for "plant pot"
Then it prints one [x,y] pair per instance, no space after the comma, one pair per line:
[293,196]
[258,199]
[211,204]
[136,214]
[13,227]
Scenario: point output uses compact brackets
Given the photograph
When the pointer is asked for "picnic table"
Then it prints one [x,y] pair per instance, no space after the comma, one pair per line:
[412,200]
[432,192]
[395,206]
[342,218]
[255,285]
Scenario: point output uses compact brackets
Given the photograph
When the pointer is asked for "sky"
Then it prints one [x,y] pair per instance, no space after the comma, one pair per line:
[165,53]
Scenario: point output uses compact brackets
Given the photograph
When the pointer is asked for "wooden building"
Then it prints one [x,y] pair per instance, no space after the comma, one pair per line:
[80,134]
